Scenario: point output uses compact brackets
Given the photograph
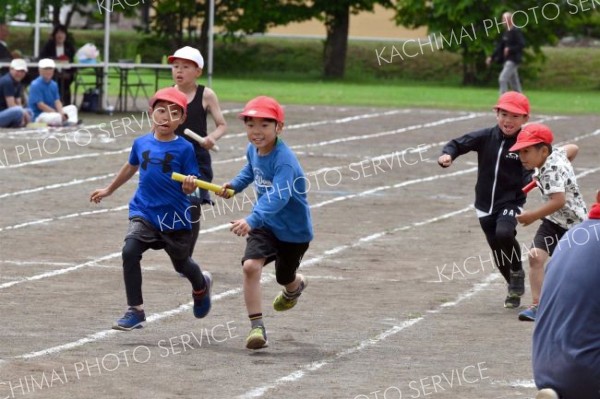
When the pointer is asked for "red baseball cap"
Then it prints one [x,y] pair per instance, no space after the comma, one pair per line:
[263,107]
[171,95]
[532,134]
[514,102]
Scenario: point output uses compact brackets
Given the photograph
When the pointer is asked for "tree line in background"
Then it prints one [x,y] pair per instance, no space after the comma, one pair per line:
[467,27]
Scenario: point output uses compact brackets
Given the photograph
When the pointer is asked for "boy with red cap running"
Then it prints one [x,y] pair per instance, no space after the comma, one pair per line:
[498,192]
[279,228]
[563,208]
[159,210]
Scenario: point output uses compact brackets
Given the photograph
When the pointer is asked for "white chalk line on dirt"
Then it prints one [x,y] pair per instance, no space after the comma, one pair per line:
[35,263]
[96,154]
[318,205]
[57,185]
[158,316]
[365,344]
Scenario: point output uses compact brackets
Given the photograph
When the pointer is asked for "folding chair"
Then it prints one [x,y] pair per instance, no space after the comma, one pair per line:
[130,85]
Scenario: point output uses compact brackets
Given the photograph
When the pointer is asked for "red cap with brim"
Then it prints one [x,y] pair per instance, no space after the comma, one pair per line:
[514,102]
[533,134]
[263,107]
[171,95]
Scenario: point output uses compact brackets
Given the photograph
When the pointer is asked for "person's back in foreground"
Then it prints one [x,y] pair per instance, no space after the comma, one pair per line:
[566,338]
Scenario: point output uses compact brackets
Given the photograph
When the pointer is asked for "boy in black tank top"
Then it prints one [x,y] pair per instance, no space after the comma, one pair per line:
[187,64]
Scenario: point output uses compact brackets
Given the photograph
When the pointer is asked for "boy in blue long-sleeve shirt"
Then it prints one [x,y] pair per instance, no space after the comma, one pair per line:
[279,228]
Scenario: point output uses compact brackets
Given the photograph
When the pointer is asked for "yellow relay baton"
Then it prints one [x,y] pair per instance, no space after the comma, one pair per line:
[202,184]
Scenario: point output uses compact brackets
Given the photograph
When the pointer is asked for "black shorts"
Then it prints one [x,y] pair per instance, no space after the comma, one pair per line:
[547,236]
[262,243]
[175,243]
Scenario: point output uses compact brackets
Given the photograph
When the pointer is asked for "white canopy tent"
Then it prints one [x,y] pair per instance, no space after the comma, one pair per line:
[108,5]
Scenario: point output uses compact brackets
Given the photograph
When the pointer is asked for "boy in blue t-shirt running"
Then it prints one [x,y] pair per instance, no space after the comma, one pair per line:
[279,228]
[159,211]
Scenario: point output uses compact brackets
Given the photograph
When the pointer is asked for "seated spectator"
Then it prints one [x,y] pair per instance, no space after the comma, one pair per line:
[12,113]
[60,49]
[44,100]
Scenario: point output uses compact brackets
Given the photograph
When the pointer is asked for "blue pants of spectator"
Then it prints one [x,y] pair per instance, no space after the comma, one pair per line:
[12,117]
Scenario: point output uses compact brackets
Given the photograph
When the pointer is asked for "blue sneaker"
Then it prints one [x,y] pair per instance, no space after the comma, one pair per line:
[529,314]
[133,318]
[202,301]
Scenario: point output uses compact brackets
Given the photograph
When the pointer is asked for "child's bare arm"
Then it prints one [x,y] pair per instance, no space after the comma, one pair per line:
[213,107]
[127,171]
[571,150]
[556,201]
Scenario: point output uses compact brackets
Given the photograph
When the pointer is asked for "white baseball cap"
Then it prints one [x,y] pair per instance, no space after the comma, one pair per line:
[19,64]
[46,63]
[190,54]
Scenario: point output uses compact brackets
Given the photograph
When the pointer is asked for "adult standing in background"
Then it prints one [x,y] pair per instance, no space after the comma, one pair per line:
[509,53]
[60,48]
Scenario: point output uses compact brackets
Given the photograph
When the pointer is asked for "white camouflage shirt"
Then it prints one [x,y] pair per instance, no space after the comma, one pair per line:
[557,176]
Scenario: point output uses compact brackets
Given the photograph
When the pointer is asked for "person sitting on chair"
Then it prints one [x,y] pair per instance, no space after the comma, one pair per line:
[60,48]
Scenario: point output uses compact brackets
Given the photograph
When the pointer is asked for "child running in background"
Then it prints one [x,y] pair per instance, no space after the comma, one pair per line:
[563,207]
[186,69]
[157,211]
[498,192]
[279,228]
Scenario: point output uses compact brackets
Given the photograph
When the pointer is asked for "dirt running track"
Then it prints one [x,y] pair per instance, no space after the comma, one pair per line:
[382,317]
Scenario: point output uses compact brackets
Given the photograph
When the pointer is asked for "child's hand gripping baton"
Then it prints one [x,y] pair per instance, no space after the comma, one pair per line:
[530,186]
[199,139]
[202,184]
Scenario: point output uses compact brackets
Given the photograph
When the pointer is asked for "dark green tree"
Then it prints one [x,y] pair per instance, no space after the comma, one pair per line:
[471,27]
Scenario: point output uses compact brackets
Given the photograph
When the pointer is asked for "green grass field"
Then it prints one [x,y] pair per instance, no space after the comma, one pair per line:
[385,94]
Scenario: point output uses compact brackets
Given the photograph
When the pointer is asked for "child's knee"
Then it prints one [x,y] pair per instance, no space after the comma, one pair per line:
[251,267]
[536,258]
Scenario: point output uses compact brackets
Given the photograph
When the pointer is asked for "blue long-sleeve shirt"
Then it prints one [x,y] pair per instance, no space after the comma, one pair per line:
[281,188]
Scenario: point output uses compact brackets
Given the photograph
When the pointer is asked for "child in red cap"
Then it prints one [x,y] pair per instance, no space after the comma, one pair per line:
[159,211]
[563,208]
[566,338]
[279,228]
[498,192]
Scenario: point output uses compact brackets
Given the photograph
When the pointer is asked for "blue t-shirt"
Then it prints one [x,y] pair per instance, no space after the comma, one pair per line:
[42,91]
[9,88]
[281,188]
[566,339]
[159,199]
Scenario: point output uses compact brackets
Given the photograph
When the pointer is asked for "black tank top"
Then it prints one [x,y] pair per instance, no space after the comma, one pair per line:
[196,121]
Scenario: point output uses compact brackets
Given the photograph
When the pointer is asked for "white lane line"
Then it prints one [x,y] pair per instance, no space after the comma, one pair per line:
[65,158]
[35,263]
[69,216]
[319,144]
[57,185]
[159,316]
[59,271]
[304,370]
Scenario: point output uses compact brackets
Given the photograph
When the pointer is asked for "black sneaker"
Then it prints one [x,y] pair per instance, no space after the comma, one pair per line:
[512,301]
[517,283]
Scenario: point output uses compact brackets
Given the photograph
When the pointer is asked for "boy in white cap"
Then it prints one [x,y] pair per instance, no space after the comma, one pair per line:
[158,216]
[44,99]
[280,227]
[187,64]
[12,112]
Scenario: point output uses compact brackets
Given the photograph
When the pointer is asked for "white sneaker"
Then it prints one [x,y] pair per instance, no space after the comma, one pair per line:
[547,393]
